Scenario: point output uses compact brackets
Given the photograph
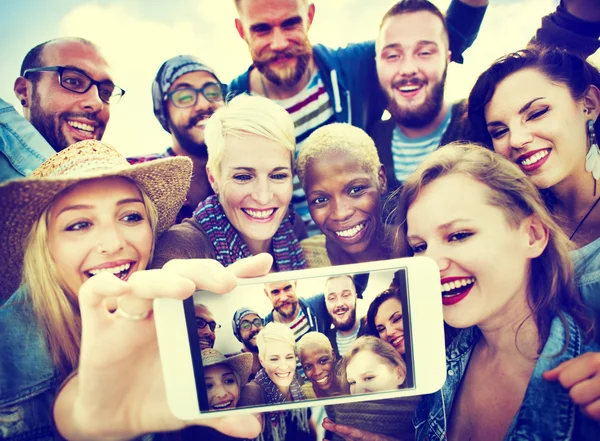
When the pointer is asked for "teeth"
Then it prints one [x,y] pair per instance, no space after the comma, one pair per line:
[81,126]
[409,89]
[397,340]
[115,270]
[283,375]
[323,380]
[222,406]
[351,232]
[535,158]
[259,214]
[457,284]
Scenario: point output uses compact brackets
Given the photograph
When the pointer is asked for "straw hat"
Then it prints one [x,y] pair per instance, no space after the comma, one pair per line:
[22,201]
[240,363]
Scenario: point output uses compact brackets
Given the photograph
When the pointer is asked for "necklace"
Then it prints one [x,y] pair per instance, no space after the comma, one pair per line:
[584,218]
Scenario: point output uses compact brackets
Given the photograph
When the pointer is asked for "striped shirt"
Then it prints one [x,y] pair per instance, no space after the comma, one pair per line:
[344,341]
[310,109]
[299,327]
[408,153]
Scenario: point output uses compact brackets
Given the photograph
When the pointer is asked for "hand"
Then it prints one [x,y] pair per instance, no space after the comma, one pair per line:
[581,375]
[118,392]
[352,434]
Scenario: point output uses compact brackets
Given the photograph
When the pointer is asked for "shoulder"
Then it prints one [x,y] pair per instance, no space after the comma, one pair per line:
[251,394]
[315,251]
[308,391]
[183,241]
[240,84]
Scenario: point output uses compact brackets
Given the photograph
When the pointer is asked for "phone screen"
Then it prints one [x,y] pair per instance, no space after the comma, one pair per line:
[351,336]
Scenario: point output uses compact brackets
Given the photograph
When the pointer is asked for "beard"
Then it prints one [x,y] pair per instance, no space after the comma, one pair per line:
[248,343]
[426,112]
[49,125]
[287,315]
[186,140]
[289,76]
[345,325]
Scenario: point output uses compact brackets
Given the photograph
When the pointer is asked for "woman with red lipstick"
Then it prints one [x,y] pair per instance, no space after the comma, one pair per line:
[539,109]
[83,213]
[344,181]
[508,284]
[251,144]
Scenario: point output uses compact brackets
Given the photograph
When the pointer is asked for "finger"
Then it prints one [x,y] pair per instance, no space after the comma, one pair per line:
[579,369]
[586,392]
[254,266]
[207,274]
[552,374]
[592,410]
[94,292]
[134,306]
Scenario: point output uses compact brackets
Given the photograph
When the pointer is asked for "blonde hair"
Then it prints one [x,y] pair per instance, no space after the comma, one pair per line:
[55,307]
[551,281]
[375,345]
[311,340]
[274,332]
[247,115]
[343,139]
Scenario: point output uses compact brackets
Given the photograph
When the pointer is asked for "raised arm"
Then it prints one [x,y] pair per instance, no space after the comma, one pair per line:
[464,18]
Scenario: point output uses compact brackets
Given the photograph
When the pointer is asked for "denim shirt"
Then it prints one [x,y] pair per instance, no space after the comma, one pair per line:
[587,275]
[28,379]
[22,147]
[546,413]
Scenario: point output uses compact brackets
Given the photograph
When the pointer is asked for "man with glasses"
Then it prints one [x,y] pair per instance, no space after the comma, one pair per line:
[206,326]
[66,90]
[246,325]
[186,93]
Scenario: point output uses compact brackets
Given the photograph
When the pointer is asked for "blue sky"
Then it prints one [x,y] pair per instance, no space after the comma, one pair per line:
[138,35]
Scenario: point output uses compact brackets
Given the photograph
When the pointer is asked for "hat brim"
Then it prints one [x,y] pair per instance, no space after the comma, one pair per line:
[165,181]
[240,363]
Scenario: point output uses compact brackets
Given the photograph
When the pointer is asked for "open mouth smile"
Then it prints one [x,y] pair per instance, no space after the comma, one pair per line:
[323,380]
[455,289]
[224,405]
[283,376]
[397,341]
[121,271]
[533,160]
[351,233]
[260,215]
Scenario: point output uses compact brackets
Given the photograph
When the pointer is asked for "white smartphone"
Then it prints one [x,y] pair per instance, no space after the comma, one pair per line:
[395,307]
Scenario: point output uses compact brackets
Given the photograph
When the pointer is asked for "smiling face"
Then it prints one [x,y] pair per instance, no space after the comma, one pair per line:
[318,363]
[412,57]
[222,387]
[538,125]
[279,362]
[344,200]
[187,124]
[248,336]
[484,261]
[254,185]
[368,372]
[283,298]
[340,299]
[390,325]
[206,335]
[64,117]
[276,32]
[97,226]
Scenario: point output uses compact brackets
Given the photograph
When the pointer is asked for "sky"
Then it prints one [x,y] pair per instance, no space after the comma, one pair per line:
[137,36]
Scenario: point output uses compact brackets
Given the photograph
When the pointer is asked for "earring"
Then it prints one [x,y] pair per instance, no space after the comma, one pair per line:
[592,159]
[23,102]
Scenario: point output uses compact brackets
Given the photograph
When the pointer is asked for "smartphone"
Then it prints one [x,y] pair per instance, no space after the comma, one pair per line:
[359,332]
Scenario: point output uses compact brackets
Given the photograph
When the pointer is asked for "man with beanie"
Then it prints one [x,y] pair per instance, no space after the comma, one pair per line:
[246,325]
[186,92]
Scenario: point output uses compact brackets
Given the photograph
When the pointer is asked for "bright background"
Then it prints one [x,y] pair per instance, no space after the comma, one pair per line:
[137,36]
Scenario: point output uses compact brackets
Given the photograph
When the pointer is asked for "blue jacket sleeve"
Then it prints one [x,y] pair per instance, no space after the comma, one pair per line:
[463,23]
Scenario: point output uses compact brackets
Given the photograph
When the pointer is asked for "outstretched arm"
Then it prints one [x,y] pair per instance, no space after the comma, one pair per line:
[463,19]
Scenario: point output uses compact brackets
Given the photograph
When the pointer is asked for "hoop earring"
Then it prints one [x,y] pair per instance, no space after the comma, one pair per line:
[592,159]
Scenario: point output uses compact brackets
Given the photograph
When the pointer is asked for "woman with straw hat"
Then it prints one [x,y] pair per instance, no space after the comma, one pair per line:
[82,218]
[224,377]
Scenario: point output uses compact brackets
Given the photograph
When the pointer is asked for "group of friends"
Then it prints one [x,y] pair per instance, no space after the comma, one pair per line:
[290,167]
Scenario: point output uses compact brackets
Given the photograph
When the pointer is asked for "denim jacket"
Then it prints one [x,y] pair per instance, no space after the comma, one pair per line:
[587,271]
[28,379]
[546,413]
[22,148]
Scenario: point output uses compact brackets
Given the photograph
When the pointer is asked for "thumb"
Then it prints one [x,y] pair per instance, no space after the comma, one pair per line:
[553,374]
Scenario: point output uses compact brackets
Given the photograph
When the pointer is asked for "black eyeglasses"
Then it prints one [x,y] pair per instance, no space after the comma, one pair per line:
[201,324]
[188,96]
[247,324]
[78,82]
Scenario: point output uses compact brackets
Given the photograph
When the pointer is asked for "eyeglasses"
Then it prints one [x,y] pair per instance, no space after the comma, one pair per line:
[201,324]
[188,96]
[247,324]
[78,82]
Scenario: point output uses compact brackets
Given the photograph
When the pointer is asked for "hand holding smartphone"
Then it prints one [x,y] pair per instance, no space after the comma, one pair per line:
[312,337]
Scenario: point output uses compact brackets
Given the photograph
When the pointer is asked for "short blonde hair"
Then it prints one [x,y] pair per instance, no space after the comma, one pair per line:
[274,332]
[343,139]
[55,307]
[311,340]
[247,115]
